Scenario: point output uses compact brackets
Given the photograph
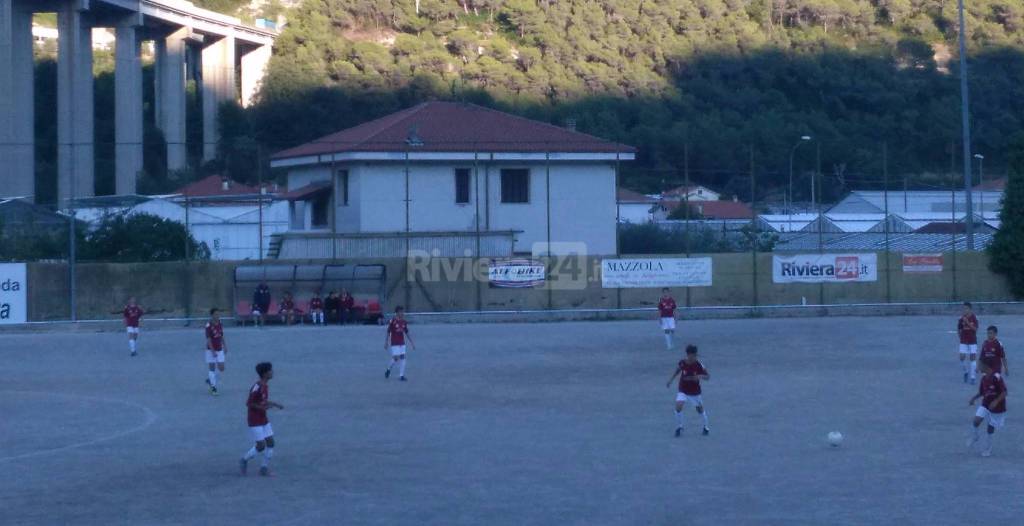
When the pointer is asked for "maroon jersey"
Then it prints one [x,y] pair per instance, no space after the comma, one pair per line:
[992,353]
[287,305]
[132,315]
[316,304]
[690,370]
[347,301]
[991,387]
[398,329]
[215,335]
[258,395]
[967,327]
[667,307]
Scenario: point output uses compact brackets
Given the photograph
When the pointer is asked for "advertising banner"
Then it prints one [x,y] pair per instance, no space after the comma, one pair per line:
[655,273]
[824,268]
[515,273]
[13,293]
[922,262]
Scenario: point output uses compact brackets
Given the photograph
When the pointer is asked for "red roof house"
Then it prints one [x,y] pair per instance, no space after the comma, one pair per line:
[216,186]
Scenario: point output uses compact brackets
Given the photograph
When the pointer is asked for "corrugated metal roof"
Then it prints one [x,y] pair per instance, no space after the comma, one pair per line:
[809,242]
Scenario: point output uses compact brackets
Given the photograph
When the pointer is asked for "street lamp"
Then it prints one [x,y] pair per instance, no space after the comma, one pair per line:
[981,183]
[789,194]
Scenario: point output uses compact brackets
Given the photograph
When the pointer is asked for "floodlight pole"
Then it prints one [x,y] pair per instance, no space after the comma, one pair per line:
[966,129]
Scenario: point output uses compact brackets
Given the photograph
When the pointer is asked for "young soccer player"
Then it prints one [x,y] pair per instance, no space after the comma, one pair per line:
[259,426]
[992,392]
[132,315]
[397,333]
[261,304]
[316,309]
[992,352]
[287,310]
[667,315]
[967,329]
[216,348]
[690,372]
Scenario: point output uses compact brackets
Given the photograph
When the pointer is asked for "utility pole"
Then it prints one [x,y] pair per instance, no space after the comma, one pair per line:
[966,127]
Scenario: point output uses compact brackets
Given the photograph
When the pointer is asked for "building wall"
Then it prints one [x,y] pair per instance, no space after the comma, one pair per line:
[636,213]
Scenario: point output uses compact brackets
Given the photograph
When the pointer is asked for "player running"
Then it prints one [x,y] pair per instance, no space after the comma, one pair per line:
[667,314]
[992,392]
[132,315]
[316,309]
[216,348]
[992,352]
[967,329]
[397,333]
[259,426]
[690,372]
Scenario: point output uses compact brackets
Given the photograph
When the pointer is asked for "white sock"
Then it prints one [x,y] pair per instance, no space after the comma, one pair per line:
[391,363]
[213,378]
[975,430]
[249,455]
[963,365]
[679,419]
[131,345]
[668,340]
[988,445]
[267,453]
[704,414]
[401,367]
[974,368]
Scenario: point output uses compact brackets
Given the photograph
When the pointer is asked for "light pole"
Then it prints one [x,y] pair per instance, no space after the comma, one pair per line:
[789,193]
[966,128]
[981,183]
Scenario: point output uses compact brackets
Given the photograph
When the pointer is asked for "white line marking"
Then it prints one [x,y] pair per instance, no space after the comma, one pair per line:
[150,418]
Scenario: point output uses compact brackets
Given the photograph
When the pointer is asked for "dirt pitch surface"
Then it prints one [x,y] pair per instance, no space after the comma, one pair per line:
[552,423]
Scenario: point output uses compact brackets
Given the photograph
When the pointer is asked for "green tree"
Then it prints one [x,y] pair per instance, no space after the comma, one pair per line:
[141,237]
[1006,253]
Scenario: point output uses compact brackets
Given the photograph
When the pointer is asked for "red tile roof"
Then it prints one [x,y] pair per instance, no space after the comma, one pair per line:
[719,209]
[625,195]
[214,186]
[993,185]
[308,191]
[455,127]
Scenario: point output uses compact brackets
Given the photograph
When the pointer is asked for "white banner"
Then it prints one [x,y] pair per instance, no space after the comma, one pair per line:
[515,273]
[655,273]
[824,268]
[13,293]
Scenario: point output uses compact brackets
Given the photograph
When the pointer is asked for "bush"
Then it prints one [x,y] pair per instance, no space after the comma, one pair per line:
[651,238]
[1006,253]
[141,237]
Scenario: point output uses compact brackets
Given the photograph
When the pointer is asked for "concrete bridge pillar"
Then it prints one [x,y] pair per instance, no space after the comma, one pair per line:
[75,168]
[218,87]
[17,116]
[254,66]
[128,104]
[170,95]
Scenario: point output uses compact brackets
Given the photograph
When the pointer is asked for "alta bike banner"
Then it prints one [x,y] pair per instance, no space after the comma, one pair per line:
[824,268]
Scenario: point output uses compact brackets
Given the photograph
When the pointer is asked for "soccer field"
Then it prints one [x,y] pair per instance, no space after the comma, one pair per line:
[548,423]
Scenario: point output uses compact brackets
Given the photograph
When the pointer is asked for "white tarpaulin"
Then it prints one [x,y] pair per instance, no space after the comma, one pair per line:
[515,273]
[655,273]
[824,268]
[13,293]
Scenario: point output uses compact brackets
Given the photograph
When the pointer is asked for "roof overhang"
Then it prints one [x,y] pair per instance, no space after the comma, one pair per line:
[309,191]
[451,156]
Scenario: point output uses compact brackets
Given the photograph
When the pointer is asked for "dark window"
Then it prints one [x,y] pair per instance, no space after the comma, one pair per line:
[343,187]
[321,211]
[515,186]
[462,185]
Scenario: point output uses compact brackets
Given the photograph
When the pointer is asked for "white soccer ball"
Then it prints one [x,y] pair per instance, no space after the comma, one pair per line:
[835,438]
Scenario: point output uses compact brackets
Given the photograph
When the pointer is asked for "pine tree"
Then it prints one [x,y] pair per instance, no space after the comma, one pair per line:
[1006,254]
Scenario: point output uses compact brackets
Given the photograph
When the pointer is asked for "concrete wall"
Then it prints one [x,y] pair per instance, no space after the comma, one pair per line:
[165,289]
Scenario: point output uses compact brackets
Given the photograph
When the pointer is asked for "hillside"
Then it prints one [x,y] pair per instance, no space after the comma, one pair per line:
[716,75]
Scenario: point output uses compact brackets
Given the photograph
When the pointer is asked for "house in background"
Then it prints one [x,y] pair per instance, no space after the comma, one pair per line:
[691,193]
[453,178]
[637,208]
[223,214]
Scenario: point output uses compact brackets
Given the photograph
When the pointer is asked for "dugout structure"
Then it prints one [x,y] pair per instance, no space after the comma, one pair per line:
[365,282]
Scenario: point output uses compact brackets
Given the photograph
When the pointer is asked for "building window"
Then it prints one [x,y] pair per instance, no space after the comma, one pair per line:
[515,186]
[321,211]
[343,187]
[462,186]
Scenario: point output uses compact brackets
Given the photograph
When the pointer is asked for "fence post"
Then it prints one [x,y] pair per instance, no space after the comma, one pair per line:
[547,217]
[753,227]
[821,240]
[885,199]
[686,205]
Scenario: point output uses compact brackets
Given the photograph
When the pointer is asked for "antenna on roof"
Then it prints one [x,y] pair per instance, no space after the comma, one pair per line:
[414,139]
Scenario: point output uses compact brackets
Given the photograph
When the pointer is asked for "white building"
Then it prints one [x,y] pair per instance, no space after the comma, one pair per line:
[455,178]
[987,204]
[694,192]
[637,208]
[223,215]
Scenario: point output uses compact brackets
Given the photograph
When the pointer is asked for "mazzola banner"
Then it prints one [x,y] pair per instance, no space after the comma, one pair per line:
[515,273]
[13,293]
[825,268]
[655,273]
[922,262]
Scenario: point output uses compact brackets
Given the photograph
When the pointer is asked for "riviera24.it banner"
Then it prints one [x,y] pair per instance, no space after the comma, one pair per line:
[824,268]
